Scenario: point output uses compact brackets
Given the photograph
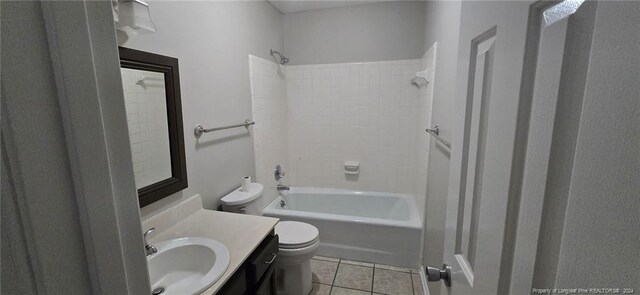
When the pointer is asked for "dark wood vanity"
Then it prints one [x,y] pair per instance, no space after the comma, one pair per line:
[257,274]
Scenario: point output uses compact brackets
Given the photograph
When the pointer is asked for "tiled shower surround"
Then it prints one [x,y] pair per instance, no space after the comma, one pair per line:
[269,103]
[364,112]
[148,127]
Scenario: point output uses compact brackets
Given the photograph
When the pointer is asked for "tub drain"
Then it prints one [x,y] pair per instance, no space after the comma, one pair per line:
[157,291]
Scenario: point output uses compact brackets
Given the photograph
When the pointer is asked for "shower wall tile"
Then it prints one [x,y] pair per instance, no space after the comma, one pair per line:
[365,112]
[146,108]
[269,110]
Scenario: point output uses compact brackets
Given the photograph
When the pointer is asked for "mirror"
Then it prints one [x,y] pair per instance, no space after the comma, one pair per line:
[151,87]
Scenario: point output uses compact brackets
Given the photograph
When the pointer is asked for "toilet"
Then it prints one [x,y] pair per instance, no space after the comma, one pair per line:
[298,241]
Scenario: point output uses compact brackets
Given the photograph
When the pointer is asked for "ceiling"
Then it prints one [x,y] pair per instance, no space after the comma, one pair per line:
[288,6]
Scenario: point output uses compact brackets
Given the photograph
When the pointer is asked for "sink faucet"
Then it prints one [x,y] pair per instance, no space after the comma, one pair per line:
[282,187]
[148,248]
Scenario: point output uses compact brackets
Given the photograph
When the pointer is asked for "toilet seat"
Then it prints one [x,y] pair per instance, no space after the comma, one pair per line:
[296,235]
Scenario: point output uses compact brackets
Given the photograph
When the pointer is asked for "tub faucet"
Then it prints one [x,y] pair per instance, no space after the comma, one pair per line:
[148,248]
[282,187]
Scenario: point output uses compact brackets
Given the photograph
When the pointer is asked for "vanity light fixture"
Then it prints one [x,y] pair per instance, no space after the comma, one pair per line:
[133,17]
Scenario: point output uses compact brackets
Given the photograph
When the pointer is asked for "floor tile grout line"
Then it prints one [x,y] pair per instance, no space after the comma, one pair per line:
[413,289]
[354,289]
[351,288]
[373,278]
[374,266]
[335,275]
[389,269]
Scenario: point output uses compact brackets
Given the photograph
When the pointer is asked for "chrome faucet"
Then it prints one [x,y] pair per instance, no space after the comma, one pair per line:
[148,248]
[282,187]
[278,173]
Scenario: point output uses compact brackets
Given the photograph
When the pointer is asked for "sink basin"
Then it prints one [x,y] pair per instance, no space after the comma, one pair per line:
[187,265]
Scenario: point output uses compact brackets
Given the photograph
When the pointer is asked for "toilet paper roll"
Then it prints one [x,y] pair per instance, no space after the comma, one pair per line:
[246,182]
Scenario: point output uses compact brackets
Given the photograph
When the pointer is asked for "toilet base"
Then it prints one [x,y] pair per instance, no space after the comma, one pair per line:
[294,271]
[295,279]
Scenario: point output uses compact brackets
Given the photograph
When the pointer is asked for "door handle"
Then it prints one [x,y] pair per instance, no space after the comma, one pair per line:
[434,274]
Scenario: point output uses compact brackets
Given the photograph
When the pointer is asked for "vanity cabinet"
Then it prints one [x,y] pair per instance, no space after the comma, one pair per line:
[257,275]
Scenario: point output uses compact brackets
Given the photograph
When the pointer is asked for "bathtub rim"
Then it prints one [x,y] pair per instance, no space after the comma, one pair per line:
[413,222]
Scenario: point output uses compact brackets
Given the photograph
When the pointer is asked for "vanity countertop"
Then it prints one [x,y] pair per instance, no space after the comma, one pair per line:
[240,233]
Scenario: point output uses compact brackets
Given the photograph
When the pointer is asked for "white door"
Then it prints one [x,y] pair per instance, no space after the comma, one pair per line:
[509,65]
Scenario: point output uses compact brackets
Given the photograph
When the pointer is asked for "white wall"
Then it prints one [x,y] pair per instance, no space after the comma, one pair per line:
[373,32]
[269,104]
[211,41]
[423,121]
[442,25]
[148,126]
[365,112]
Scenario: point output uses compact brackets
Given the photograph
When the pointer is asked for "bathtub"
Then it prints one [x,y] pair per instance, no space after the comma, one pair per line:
[364,226]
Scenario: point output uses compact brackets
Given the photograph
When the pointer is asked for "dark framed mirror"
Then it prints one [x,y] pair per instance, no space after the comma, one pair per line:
[151,85]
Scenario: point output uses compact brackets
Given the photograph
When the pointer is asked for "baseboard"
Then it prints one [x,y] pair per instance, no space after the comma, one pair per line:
[423,279]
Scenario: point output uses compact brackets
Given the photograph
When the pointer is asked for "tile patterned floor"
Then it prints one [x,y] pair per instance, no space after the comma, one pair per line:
[333,276]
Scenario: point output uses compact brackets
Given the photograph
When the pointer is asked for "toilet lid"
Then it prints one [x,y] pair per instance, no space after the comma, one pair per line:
[296,234]
[238,197]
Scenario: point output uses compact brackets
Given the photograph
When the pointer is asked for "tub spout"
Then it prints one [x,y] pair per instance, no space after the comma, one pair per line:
[282,187]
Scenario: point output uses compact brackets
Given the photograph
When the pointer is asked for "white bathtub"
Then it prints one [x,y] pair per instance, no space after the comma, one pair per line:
[366,226]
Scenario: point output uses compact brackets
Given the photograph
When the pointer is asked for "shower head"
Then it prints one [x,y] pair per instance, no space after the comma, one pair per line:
[282,59]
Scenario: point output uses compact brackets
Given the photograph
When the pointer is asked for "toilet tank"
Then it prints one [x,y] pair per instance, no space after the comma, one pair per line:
[248,202]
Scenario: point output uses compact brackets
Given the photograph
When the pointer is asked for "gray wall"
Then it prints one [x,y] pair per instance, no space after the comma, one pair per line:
[373,32]
[39,208]
[565,133]
[442,25]
[602,225]
[590,220]
[212,41]
[590,230]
